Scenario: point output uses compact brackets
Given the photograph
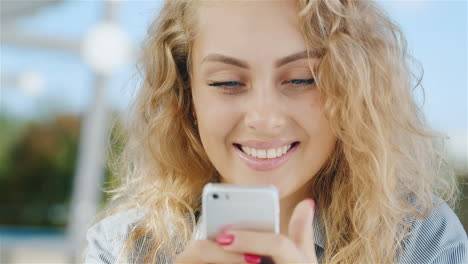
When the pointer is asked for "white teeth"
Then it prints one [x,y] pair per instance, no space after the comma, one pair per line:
[279,153]
[261,153]
[271,153]
[266,154]
[246,149]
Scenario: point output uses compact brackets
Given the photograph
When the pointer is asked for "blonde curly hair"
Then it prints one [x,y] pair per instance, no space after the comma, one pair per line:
[385,157]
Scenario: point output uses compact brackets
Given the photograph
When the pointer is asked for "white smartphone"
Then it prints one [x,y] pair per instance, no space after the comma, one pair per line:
[242,207]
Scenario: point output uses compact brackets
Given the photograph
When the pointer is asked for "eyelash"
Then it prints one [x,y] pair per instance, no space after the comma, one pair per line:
[232,86]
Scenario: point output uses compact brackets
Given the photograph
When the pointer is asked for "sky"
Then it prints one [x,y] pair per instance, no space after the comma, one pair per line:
[436,32]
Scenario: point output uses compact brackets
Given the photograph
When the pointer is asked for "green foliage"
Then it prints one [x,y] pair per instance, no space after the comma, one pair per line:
[37,172]
[37,166]
[10,131]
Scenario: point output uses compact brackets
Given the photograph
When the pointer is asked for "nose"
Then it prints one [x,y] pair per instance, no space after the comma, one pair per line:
[265,112]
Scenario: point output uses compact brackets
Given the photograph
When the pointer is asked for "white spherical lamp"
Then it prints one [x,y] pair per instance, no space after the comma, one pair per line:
[106,48]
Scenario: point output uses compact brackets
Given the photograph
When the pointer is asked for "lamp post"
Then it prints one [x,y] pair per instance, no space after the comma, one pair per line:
[105,49]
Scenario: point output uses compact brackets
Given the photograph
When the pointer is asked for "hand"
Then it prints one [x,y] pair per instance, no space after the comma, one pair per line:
[297,247]
[207,251]
[248,246]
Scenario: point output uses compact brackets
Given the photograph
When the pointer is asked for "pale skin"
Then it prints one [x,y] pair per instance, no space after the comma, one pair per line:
[269,99]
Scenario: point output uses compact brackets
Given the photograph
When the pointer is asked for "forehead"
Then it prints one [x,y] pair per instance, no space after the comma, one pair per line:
[248,29]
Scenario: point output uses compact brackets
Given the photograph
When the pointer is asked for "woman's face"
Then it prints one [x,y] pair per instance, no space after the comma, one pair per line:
[252,87]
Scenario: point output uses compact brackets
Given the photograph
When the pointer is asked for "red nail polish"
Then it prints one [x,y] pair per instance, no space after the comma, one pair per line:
[225,239]
[251,258]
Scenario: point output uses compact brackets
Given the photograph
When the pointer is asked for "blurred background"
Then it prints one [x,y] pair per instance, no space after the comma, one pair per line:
[67,71]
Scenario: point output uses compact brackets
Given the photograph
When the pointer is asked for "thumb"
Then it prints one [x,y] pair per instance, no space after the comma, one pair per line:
[301,230]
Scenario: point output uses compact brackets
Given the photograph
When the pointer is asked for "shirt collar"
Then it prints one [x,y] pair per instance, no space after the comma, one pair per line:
[319,229]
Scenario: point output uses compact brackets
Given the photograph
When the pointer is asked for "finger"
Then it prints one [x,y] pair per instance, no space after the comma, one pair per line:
[301,230]
[280,247]
[207,251]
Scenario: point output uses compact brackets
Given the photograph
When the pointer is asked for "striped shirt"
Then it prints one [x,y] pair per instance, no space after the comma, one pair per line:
[438,239]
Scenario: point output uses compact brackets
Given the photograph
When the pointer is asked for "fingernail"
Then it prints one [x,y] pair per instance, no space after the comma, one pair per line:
[225,239]
[251,258]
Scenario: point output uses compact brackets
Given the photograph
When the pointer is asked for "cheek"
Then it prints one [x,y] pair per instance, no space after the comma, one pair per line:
[210,105]
[217,114]
[216,120]
[317,126]
[312,117]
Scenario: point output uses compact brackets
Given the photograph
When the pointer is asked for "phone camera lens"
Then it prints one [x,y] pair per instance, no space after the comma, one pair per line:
[215,196]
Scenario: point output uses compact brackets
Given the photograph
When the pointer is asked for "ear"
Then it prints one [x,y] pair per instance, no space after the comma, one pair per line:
[194,113]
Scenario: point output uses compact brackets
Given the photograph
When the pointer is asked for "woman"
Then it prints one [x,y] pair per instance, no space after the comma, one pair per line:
[314,97]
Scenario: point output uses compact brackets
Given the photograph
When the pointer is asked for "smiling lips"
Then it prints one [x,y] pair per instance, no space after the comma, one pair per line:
[265,159]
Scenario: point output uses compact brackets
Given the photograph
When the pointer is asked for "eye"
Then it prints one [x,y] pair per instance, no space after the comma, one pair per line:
[234,86]
[299,83]
[229,86]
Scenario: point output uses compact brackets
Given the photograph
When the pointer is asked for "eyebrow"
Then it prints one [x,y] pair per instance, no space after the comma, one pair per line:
[216,57]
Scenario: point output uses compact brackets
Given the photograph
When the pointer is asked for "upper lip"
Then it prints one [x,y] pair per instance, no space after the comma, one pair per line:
[265,144]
